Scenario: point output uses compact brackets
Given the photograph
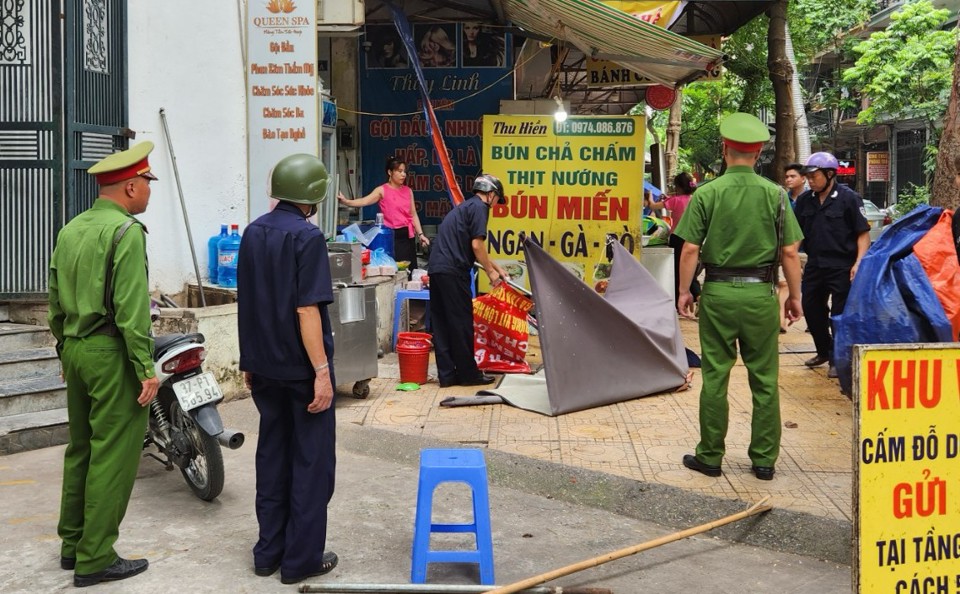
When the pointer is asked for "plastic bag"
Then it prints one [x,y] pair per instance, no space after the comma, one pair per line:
[353,233]
[657,229]
[500,331]
[382,260]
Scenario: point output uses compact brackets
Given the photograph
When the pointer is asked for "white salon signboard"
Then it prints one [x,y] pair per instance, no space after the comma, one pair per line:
[282,102]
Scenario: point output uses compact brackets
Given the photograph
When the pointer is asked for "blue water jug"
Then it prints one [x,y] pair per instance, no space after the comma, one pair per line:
[384,239]
[228,251]
[213,265]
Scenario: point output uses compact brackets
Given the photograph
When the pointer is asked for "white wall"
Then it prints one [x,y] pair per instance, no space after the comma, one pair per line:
[185,56]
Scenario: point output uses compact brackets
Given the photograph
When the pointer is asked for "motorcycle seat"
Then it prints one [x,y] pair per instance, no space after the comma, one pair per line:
[164,343]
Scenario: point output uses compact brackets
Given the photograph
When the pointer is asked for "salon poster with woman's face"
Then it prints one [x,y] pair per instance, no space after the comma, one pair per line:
[436,44]
[481,45]
[386,49]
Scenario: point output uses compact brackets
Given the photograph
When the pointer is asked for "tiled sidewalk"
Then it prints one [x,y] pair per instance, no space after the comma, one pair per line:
[646,438]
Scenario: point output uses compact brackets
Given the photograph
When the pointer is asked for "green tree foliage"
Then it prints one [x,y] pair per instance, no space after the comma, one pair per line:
[906,70]
[911,197]
[820,30]
[744,86]
[704,104]
[747,66]
[819,26]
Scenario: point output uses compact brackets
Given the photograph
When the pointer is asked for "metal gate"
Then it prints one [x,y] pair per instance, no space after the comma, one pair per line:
[910,146]
[62,107]
[31,164]
[95,106]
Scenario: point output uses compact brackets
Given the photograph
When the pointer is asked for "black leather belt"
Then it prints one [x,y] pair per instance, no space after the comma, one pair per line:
[759,274]
[735,279]
[107,329]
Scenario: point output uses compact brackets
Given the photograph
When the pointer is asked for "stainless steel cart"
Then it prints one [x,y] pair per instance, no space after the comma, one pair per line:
[353,317]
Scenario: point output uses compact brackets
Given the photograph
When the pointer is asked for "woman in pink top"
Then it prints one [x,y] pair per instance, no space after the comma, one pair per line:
[676,204]
[399,211]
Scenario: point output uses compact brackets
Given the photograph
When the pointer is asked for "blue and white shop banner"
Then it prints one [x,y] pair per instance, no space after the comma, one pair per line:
[466,71]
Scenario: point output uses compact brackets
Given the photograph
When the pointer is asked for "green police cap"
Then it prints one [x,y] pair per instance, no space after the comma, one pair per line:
[744,132]
[124,165]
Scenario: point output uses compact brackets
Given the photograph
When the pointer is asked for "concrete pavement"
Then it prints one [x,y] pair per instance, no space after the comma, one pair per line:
[634,449]
[205,547]
[564,489]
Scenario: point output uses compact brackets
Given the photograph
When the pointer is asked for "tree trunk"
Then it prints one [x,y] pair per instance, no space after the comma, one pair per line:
[943,192]
[673,138]
[781,75]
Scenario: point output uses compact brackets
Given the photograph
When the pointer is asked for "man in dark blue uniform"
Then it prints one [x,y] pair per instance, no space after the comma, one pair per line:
[286,355]
[836,237]
[460,242]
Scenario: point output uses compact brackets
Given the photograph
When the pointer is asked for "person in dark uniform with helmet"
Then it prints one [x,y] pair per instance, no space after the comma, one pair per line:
[100,316]
[460,242]
[286,355]
[836,237]
[741,226]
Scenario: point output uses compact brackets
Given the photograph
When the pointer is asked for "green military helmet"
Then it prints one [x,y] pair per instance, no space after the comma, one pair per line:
[299,178]
[744,132]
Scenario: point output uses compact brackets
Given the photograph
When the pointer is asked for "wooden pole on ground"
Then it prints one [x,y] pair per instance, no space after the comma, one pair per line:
[760,507]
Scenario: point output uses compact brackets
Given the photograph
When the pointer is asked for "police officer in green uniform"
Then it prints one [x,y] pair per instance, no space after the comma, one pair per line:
[740,226]
[106,353]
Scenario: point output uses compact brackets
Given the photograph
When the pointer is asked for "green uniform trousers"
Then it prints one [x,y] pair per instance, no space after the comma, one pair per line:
[748,314]
[107,426]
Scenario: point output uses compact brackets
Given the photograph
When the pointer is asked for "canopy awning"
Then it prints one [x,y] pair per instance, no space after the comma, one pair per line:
[605,33]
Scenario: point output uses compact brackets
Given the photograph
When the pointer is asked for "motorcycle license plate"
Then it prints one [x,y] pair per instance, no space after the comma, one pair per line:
[197,391]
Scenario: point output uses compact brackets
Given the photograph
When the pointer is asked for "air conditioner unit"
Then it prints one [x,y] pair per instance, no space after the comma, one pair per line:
[340,16]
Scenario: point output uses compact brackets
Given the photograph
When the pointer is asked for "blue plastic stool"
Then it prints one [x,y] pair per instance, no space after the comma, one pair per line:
[403,295]
[441,466]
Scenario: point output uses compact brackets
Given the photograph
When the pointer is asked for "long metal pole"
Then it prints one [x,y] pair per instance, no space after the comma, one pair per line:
[435,589]
[183,205]
[759,507]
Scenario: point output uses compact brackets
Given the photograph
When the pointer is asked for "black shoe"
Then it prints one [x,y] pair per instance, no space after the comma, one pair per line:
[483,380]
[832,372]
[691,462]
[266,571]
[448,383]
[68,563]
[763,473]
[120,570]
[330,561]
[816,361]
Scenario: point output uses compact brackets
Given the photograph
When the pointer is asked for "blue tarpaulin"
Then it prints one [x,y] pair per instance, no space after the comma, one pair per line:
[891,300]
[652,189]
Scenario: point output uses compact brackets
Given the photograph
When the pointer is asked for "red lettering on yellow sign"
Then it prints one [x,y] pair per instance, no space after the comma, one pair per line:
[593,208]
[912,383]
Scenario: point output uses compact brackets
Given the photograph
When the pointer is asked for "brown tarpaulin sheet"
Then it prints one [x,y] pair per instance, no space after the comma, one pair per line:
[598,349]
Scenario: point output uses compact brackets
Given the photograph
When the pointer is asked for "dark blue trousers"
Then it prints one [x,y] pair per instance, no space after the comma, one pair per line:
[296,463]
[821,286]
[451,320]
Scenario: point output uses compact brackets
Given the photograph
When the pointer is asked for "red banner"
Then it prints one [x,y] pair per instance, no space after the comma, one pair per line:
[500,330]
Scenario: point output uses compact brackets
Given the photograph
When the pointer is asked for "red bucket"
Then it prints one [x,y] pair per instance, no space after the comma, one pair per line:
[420,340]
[414,362]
